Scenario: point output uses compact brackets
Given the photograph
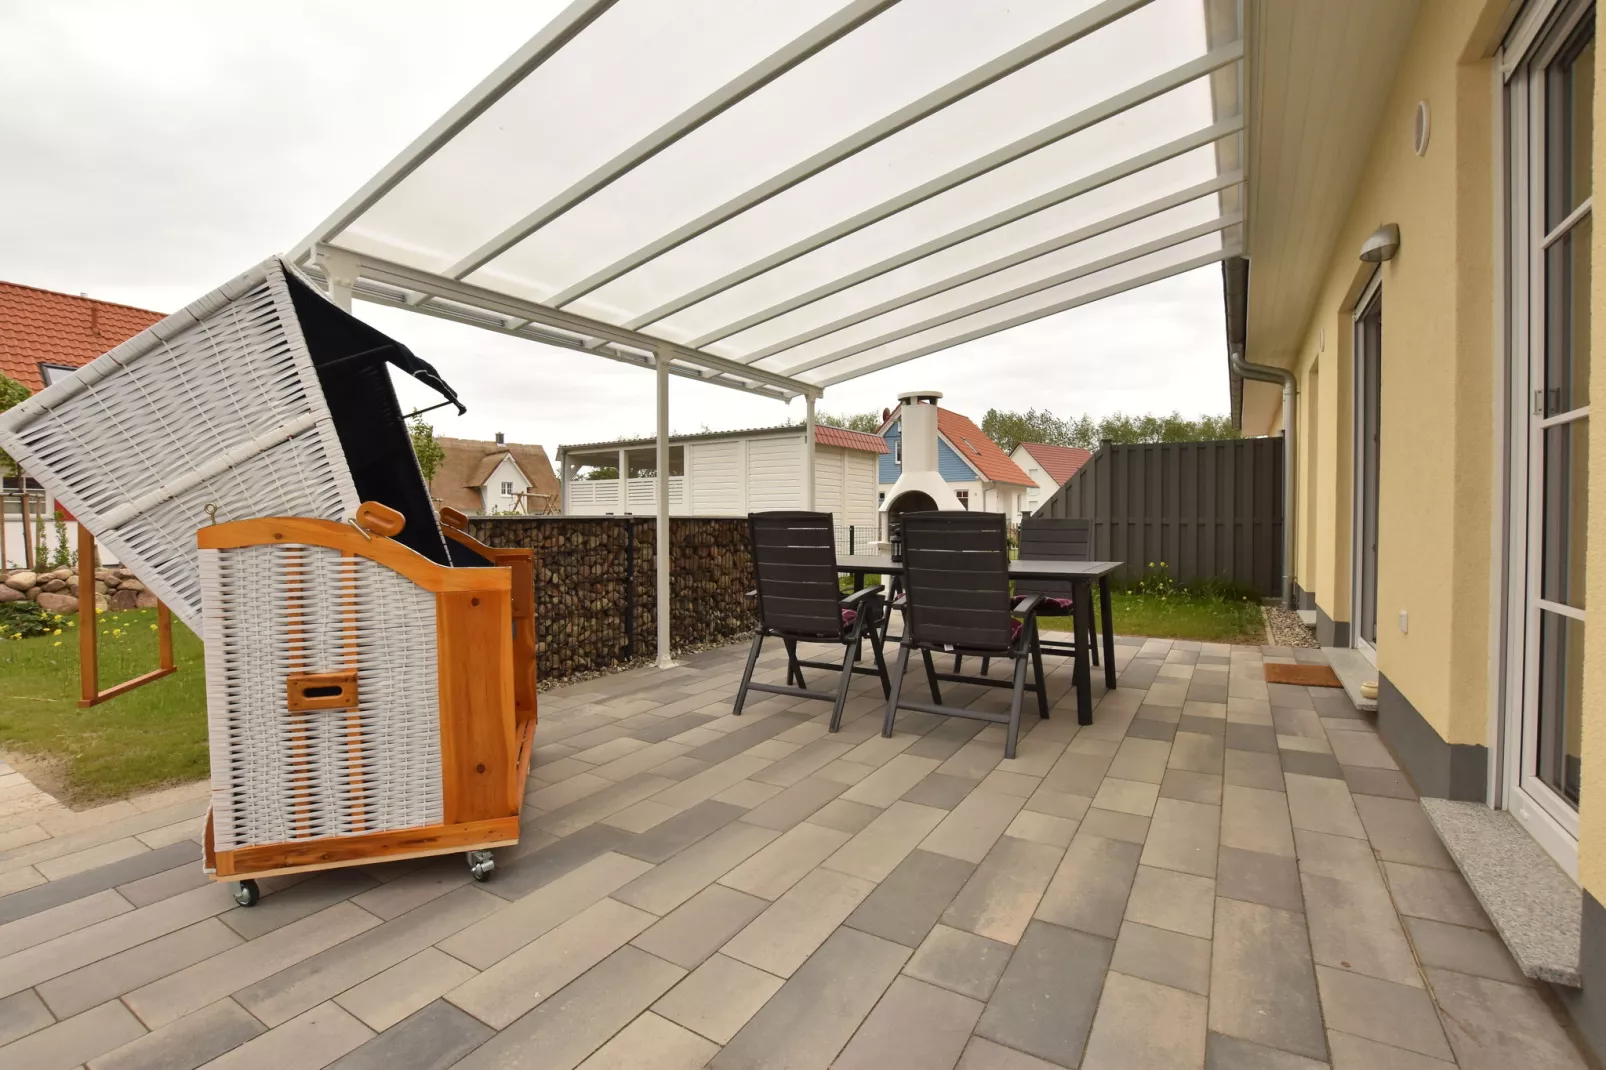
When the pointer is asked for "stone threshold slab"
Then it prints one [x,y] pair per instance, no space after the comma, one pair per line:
[1536,908]
[1353,670]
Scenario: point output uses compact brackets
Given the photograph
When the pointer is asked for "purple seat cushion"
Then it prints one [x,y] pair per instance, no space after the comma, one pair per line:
[1056,605]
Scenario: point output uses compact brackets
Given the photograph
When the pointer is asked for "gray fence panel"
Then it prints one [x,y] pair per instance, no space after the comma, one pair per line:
[1209,510]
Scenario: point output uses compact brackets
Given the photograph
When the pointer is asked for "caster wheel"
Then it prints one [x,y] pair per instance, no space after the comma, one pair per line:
[481,865]
[246,893]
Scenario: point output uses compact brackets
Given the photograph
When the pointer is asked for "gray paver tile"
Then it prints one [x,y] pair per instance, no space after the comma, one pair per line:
[1113,825]
[1397,1015]
[668,838]
[59,920]
[1166,899]
[433,1037]
[311,1040]
[807,1023]
[1042,828]
[1353,927]
[1311,763]
[1183,836]
[1197,752]
[795,804]
[20,1014]
[887,784]
[519,982]
[908,902]
[1255,877]
[1390,783]
[701,925]
[788,932]
[999,899]
[1252,769]
[719,997]
[1253,819]
[1127,796]
[519,874]
[407,987]
[1463,950]
[193,987]
[430,880]
[1164,957]
[1140,759]
[1362,749]
[300,900]
[1436,894]
[844,816]
[915,1024]
[21,904]
[940,790]
[969,831]
[563,1030]
[75,1040]
[118,974]
[1322,804]
[876,851]
[1262,986]
[306,984]
[652,1043]
[1143,1024]
[159,886]
[1356,1053]
[695,868]
[983,1054]
[961,961]
[1090,888]
[194,1039]
[1495,1025]
[1059,804]
[1233,1053]
[782,863]
[1400,832]
[1044,1003]
[1190,786]
[1340,857]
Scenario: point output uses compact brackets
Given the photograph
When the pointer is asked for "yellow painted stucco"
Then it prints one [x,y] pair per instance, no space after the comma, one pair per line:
[1435,482]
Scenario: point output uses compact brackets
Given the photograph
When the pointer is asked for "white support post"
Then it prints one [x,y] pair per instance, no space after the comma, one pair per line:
[808,452]
[665,661]
[340,272]
[623,482]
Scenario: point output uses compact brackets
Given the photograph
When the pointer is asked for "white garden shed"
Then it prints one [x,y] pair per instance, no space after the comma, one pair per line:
[730,473]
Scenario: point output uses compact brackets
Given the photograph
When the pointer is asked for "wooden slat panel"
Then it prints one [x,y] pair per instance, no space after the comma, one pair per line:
[479,748]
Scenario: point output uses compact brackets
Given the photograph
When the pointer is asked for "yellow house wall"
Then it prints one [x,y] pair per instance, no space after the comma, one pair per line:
[1437,381]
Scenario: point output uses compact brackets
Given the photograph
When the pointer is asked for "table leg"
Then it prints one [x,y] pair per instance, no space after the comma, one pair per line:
[1106,621]
[858,581]
[1082,608]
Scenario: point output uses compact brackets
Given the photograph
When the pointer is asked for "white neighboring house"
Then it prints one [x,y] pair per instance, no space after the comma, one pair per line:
[729,473]
[1049,467]
[980,475]
[477,477]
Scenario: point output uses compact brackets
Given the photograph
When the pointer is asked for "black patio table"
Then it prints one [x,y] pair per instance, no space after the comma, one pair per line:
[1081,575]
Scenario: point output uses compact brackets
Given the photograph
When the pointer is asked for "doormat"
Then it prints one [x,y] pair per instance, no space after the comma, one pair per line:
[1303,675]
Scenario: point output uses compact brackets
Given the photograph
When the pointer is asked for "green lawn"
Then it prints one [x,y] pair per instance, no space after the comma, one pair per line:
[152,736]
[1207,618]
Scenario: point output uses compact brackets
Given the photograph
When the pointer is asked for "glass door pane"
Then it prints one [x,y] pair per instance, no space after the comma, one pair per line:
[1369,368]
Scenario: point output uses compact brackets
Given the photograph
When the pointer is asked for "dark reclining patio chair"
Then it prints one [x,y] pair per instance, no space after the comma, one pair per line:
[957,599]
[799,601]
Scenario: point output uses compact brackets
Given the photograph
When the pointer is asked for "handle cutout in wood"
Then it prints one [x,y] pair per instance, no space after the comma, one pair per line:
[321,691]
[379,519]
[454,518]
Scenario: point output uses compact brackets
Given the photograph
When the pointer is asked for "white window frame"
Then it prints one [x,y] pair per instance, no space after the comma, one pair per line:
[1532,44]
[1367,650]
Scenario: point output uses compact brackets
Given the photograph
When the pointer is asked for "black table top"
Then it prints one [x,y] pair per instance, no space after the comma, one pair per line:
[1019,569]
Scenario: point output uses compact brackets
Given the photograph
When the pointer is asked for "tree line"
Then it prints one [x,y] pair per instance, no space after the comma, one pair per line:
[1010,429]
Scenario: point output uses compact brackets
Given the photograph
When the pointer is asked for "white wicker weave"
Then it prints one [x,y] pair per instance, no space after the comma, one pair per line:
[218,404]
[279,776]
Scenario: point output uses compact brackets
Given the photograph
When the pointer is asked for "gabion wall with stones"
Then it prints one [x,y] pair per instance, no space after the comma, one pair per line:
[595,585]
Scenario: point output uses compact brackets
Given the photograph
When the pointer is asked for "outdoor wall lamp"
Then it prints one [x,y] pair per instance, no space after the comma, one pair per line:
[1382,245]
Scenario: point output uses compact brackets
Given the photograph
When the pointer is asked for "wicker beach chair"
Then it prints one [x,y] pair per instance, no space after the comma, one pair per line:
[247,458]
[799,601]
[957,597]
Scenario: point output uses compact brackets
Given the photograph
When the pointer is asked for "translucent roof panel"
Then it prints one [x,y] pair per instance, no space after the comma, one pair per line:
[811,188]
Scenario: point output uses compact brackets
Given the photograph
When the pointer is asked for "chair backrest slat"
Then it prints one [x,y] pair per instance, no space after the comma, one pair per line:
[1053,539]
[794,561]
[956,575]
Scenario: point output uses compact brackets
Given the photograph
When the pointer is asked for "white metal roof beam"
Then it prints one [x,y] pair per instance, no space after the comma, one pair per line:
[1017,58]
[540,48]
[749,82]
[1029,317]
[500,304]
[1082,120]
[1063,241]
[1012,214]
[1048,282]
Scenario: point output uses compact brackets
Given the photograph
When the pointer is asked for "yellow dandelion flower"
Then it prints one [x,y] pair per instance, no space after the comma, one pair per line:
[56,643]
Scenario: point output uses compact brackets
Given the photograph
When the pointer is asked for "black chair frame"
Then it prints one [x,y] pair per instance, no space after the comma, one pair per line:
[932,615]
[1056,539]
[794,561]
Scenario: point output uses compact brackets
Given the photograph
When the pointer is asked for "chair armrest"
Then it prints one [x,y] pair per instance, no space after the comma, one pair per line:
[860,595]
[1029,606]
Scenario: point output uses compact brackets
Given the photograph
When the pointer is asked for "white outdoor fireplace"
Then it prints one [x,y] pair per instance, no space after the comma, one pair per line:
[920,487]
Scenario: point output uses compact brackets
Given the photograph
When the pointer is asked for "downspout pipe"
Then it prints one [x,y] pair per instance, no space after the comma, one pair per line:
[1265,373]
[1235,288]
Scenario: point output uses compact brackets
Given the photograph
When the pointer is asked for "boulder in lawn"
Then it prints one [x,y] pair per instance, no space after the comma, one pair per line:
[9,595]
[146,600]
[131,585]
[53,585]
[121,600]
[22,581]
[58,603]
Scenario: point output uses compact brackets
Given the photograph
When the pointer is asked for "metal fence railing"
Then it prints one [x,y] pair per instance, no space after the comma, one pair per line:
[1209,510]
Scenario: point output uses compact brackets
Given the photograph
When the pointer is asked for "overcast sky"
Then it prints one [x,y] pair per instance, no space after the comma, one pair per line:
[150,151]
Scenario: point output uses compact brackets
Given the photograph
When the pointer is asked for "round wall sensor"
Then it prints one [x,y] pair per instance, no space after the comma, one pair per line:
[1421,128]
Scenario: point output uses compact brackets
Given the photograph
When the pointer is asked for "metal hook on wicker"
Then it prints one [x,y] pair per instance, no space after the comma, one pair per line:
[211,513]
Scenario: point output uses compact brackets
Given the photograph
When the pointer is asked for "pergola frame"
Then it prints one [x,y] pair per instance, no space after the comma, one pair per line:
[647,337]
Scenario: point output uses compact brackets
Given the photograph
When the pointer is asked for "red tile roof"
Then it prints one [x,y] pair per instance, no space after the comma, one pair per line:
[825,435]
[44,327]
[982,452]
[1060,462]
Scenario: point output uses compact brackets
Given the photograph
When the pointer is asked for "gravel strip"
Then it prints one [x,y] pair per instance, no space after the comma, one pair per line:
[1286,629]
